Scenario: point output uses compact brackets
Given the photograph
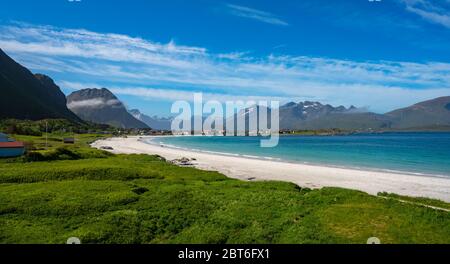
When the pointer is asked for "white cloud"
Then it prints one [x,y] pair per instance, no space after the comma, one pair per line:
[53,41]
[142,68]
[232,55]
[433,12]
[151,93]
[376,95]
[94,103]
[255,14]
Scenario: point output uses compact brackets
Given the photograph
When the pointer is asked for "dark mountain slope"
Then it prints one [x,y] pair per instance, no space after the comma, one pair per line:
[102,107]
[314,115]
[26,96]
[431,113]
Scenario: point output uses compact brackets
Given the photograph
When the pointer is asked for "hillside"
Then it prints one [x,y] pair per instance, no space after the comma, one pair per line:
[28,96]
[431,113]
[102,107]
[428,115]
[314,115]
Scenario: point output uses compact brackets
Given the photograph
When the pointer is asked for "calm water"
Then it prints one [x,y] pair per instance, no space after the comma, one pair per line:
[424,153]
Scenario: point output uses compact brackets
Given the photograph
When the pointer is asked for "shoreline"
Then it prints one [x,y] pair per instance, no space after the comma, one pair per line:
[304,175]
[226,154]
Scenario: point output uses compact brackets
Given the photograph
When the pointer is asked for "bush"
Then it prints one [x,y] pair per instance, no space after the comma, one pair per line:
[61,153]
[24,129]
[140,190]
[29,146]
[65,153]
[33,156]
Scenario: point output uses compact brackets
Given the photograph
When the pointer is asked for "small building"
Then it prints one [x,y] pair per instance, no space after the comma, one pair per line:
[69,140]
[11,149]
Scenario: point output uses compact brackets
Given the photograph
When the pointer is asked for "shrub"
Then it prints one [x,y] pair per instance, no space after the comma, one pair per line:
[31,156]
[140,190]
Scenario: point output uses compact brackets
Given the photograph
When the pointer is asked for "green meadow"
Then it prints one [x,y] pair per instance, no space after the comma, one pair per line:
[59,191]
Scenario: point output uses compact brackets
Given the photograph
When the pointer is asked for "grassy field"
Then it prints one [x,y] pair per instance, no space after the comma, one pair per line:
[67,191]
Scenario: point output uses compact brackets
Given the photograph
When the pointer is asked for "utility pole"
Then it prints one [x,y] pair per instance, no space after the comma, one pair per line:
[46,134]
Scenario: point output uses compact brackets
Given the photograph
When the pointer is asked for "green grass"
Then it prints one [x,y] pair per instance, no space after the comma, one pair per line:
[51,147]
[103,198]
[55,140]
[417,200]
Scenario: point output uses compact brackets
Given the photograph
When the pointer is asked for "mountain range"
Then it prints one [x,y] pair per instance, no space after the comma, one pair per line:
[103,107]
[314,115]
[25,95]
[154,122]
[432,114]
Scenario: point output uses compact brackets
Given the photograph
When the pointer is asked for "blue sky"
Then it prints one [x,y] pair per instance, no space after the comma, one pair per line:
[378,55]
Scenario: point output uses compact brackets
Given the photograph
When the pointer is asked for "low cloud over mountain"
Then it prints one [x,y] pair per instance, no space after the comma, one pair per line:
[101,106]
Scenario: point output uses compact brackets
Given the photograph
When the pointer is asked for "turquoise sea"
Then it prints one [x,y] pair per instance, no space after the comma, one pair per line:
[415,153]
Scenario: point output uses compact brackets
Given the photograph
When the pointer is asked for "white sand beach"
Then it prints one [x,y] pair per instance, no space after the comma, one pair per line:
[310,176]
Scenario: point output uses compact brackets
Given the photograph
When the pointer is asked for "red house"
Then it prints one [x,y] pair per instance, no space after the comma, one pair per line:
[11,149]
